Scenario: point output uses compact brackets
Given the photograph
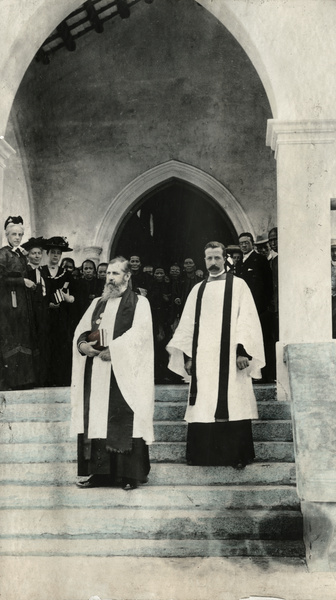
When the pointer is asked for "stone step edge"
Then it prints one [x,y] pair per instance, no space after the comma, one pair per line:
[169,403]
[182,488]
[147,512]
[73,442]
[57,473]
[152,548]
[152,497]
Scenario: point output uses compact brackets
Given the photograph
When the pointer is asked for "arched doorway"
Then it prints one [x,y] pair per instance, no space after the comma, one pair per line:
[170,223]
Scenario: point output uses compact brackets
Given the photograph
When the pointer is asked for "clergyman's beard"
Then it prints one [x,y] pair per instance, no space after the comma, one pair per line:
[112,290]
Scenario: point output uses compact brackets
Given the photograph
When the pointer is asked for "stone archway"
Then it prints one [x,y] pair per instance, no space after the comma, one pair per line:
[154,177]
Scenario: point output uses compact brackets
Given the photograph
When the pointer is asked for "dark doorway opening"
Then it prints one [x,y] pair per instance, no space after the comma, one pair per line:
[171,223]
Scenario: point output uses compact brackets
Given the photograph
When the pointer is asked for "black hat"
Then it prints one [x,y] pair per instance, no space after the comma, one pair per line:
[33,242]
[233,248]
[14,220]
[57,242]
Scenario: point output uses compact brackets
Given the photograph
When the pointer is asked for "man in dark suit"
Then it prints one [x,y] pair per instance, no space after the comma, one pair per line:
[256,272]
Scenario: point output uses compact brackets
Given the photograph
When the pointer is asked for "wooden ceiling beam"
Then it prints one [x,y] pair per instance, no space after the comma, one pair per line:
[65,33]
[93,16]
[123,9]
[42,56]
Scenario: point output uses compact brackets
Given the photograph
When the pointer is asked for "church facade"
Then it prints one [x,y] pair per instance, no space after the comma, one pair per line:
[227,104]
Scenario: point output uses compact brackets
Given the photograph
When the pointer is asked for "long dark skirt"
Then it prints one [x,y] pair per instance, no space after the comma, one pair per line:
[94,459]
[225,444]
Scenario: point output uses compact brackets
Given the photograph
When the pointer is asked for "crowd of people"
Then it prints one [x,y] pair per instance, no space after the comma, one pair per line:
[43,303]
[40,308]
[167,290]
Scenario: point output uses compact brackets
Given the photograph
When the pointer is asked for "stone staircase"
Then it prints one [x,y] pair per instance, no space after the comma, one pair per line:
[182,511]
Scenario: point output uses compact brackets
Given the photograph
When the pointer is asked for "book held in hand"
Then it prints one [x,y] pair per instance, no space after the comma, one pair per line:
[99,336]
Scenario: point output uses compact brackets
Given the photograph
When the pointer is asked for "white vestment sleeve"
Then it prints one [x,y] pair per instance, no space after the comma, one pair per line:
[78,368]
[181,342]
[248,330]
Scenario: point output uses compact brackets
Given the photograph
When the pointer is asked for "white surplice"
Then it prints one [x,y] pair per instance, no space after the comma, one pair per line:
[245,329]
[132,359]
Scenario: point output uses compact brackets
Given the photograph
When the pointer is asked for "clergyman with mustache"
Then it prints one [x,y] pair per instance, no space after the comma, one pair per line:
[112,389]
[218,343]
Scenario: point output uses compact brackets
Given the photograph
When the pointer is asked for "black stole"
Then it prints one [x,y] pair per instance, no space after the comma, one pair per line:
[120,415]
[222,412]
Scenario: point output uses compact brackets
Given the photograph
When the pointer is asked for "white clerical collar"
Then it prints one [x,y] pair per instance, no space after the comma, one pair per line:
[217,274]
[245,256]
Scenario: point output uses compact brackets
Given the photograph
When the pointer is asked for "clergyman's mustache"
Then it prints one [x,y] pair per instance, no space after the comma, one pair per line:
[213,268]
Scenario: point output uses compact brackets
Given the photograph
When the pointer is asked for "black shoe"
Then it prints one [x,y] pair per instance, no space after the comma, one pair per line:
[129,484]
[93,481]
[239,465]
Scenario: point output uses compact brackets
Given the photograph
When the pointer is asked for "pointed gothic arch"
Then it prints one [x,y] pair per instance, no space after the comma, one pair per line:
[121,205]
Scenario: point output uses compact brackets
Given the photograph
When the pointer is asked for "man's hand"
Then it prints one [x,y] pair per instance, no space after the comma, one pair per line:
[105,354]
[88,349]
[187,366]
[52,305]
[242,362]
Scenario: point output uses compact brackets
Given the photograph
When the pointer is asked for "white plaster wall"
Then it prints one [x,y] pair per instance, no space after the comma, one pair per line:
[16,185]
[291,43]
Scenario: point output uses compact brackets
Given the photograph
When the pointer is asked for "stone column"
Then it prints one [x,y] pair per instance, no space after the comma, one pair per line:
[306,170]
[6,151]
[93,253]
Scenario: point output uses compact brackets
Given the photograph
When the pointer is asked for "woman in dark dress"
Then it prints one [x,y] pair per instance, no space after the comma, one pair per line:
[35,247]
[60,297]
[19,352]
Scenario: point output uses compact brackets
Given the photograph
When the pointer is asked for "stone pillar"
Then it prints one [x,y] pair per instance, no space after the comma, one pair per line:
[93,253]
[312,374]
[6,151]
[306,168]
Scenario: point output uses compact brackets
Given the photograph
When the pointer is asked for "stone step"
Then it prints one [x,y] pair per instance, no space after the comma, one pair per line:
[164,431]
[176,393]
[164,411]
[159,452]
[58,395]
[149,496]
[272,410]
[142,523]
[163,393]
[168,548]
[161,474]
[264,451]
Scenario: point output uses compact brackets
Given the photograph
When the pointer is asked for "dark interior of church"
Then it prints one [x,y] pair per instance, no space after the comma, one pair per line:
[170,224]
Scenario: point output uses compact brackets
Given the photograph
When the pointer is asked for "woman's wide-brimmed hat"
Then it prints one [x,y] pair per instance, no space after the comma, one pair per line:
[33,242]
[14,221]
[57,242]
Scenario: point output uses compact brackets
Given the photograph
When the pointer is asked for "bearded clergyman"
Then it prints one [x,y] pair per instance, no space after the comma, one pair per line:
[112,389]
[218,343]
